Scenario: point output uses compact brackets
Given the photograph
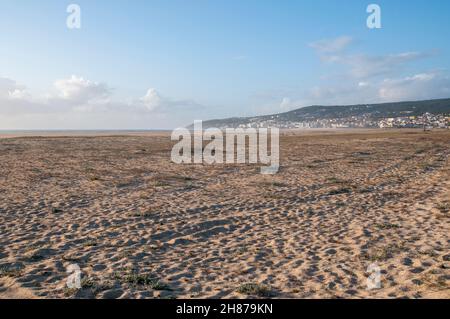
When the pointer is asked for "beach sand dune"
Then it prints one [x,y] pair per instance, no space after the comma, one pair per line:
[139,226]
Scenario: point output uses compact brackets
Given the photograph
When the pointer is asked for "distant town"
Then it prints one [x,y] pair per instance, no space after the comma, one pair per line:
[427,114]
[427,121]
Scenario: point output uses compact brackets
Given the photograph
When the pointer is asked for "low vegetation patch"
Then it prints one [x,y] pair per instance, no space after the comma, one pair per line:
[254,289]
[173,180]
[365,190]
[272,184]
[389,195]
[87,282]
[70,292]
[134,278]
[55,210]
[435,281]
[10,272]
[382,253]
[336,180]
[34,256]
[387,226]
[94,178]
[443,207]
[142,214]
[90,243]
[342,190]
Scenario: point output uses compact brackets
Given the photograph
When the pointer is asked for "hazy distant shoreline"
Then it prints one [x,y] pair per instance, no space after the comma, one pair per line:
[104,133]
[62,133]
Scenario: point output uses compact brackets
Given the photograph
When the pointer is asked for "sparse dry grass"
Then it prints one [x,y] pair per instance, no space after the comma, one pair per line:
[136,223]
[443,207]
[254,289]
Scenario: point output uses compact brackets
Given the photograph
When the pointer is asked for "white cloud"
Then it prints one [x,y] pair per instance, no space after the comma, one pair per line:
[365,78]
[152,100]
[335,45]
[80,103]
[366,66]
[19,94]
[416,87]
[78,90]
[363,84]
[10,89]
[421,86]
[362,66]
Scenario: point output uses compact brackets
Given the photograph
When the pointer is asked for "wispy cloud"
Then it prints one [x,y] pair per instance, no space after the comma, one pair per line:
[418,86]
[363,65]
[9,88]
[154,101]
[421,86]
[366,66]
[367,78]
[329,46]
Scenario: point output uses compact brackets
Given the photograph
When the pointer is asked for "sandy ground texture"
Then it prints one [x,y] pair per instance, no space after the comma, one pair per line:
[139,226]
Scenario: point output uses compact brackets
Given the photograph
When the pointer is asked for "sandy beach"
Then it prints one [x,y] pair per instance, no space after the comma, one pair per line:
[139,226]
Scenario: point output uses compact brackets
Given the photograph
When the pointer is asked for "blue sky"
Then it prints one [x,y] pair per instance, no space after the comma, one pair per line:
[161,64]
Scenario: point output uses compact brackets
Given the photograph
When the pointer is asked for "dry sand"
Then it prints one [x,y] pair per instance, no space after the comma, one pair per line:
[140,226]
